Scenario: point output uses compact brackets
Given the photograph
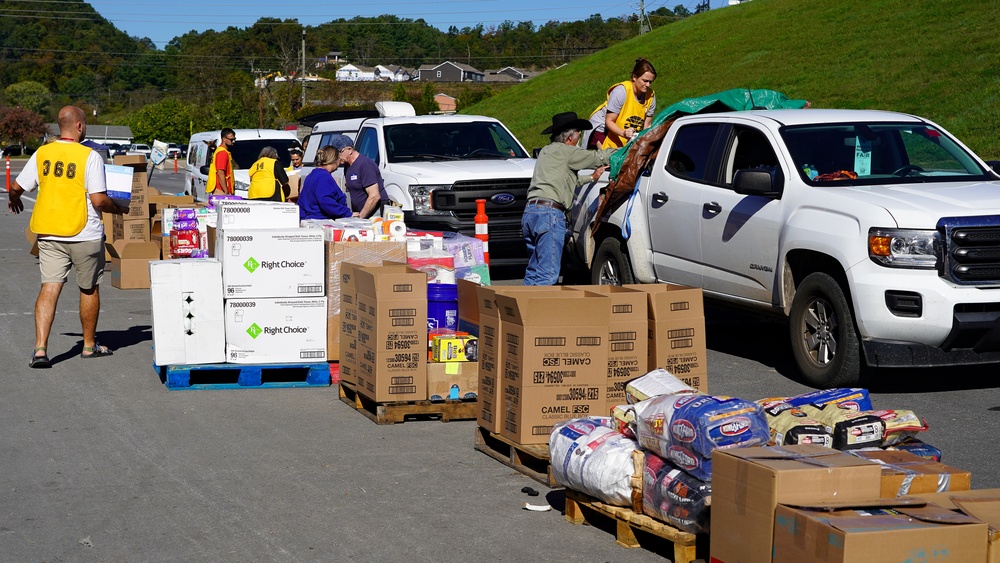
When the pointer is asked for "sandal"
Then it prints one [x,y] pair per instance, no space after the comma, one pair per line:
[39,362]
[96,351]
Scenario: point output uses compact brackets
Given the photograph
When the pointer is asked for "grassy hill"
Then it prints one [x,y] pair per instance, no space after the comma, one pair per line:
[940,60]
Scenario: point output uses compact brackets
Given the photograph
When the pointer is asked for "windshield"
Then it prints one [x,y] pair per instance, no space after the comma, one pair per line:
[475,140]
[872,153]
[247,151]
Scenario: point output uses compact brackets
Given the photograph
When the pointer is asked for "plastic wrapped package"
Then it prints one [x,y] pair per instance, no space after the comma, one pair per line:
[624,420]
[918,448]
[791,425]
[437,264]
[467,251]
[587,455]
[653,384]
[685,428]
[847,397]
[900,425]
[673,496]
[851,429]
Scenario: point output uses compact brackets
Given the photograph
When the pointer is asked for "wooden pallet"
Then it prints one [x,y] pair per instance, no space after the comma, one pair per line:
[581,508]
[244,376]
[530,459]
[393,412]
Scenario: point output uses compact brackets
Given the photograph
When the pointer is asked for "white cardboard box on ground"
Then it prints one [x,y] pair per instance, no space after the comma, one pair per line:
[250,214]
[188,322]
[283,330]
[272,262]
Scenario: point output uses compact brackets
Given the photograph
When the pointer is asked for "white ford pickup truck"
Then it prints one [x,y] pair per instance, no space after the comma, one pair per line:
[876,234]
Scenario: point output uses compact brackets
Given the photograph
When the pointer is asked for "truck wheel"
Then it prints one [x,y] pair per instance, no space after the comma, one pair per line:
[824,342]
[611,265]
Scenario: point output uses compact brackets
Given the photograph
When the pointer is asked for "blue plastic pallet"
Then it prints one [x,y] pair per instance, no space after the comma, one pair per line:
[244,376]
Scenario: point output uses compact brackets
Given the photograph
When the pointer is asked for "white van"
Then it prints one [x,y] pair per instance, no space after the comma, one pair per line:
[246,150]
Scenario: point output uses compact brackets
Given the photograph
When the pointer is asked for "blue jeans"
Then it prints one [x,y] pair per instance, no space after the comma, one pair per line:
[544,230]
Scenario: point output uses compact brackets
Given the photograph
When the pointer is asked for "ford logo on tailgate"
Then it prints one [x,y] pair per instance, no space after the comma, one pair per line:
[502,198]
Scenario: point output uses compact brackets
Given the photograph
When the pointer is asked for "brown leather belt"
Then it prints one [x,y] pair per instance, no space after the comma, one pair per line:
[547,203]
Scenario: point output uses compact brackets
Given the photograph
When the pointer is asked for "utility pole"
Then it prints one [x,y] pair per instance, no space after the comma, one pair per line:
[303,67]
[644,26]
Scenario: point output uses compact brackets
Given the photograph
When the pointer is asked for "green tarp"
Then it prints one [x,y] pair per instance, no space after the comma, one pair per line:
[737,99]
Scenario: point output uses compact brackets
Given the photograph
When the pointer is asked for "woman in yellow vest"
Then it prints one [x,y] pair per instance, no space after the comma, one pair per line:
[629,108]
[268,180]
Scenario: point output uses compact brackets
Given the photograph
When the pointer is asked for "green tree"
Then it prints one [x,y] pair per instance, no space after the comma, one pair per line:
[427,102]
[168,121]
[18,125]
[28,94]
[399,93]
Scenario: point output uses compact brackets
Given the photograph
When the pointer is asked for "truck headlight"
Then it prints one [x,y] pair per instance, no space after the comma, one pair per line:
[903,248]
[422,199]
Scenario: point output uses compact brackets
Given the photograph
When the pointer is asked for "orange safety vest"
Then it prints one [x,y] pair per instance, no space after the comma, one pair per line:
[61,207]
[632,115]
[212,182]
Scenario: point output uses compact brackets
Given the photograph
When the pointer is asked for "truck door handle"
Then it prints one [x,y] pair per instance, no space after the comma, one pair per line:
[660,198]
[712,208]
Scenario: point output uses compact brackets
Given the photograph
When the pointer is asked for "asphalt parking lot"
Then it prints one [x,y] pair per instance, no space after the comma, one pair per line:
[100,462]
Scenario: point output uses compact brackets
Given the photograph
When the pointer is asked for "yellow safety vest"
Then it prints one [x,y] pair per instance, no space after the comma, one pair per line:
[212,182]
[61,207]
[632,115]
[263,184]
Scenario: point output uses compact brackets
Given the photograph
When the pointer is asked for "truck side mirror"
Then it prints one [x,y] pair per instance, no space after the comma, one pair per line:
[204,169]
[534,152]
[994,164]
[762,182]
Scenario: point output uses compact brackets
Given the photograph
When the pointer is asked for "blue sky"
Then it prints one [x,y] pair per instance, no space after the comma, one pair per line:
[163,20]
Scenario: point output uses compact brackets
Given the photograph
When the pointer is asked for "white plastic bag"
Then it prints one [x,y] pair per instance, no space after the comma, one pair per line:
[587,455]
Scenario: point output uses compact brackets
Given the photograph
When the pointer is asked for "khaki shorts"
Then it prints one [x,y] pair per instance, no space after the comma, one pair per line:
[56,258]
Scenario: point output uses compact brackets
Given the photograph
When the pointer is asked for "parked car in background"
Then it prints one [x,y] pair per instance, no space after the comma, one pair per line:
[174,151]
[17,150]
[140,149]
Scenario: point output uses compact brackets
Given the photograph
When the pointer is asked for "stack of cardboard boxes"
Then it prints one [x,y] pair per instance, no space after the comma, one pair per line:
[521,382]
[274,283]
[808,503]
[133,239]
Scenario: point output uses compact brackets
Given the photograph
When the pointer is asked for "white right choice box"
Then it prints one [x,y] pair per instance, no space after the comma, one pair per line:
[272,262]
[249,214]
[269,331]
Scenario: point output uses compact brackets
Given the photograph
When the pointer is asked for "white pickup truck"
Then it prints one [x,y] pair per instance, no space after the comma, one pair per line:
[876,234]
[437,166]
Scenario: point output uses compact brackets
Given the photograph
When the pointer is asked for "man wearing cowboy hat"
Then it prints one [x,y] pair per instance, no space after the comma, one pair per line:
[551,194]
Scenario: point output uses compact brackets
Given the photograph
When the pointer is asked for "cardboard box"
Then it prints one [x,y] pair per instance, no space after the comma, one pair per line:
[187,308]
[119,184]
[257,215]
[361,253]
[749,483]
[554,363]
[392,333]
[130,263]
[982,504]
[676,332]
[452,380]
[262,263]
[128,229]
[157,201]
[906,474]
[628,344]
[876,532]
[276,330]
[468,307]
[348,329]
[491,348]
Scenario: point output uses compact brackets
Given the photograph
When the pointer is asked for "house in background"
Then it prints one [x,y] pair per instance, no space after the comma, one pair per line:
[449,72]
[509,74]
[446,103]
[392,73]
[356,73]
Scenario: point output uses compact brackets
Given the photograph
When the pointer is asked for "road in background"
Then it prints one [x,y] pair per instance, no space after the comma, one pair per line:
[101,462]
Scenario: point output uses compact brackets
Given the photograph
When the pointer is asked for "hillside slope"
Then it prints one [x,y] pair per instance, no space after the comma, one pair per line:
[940,60]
